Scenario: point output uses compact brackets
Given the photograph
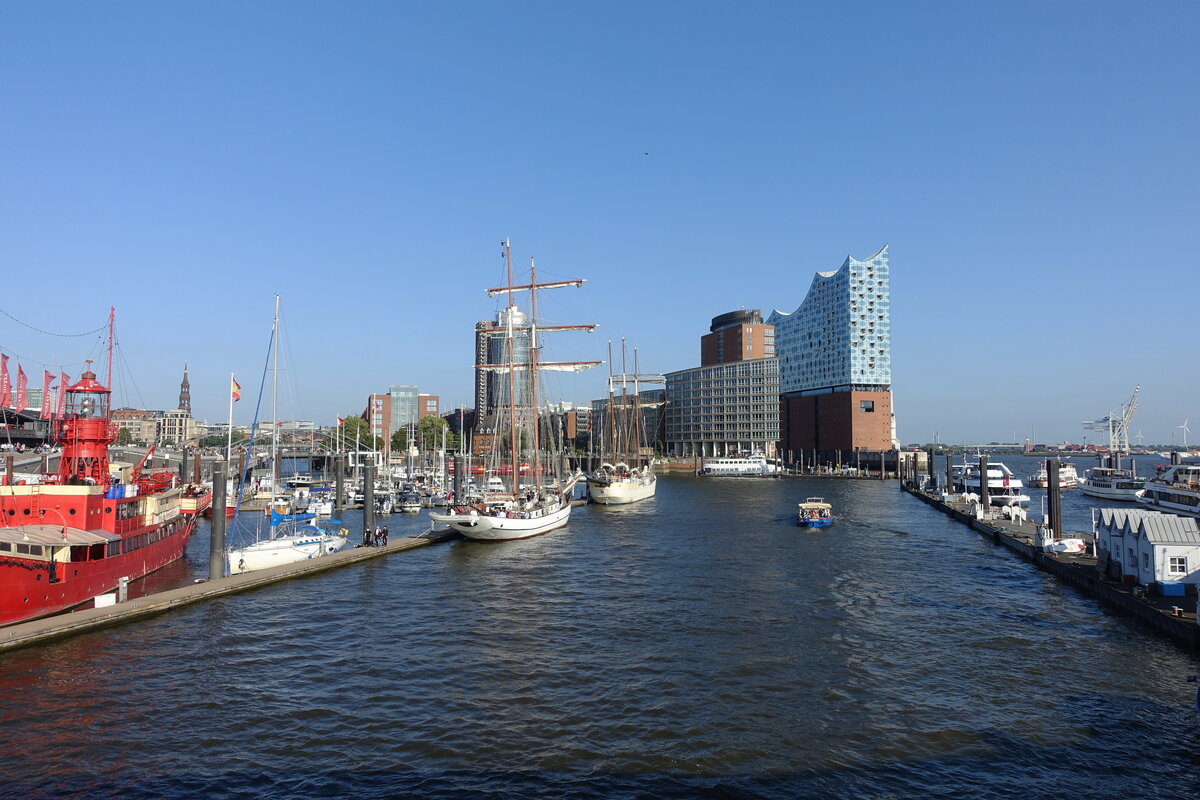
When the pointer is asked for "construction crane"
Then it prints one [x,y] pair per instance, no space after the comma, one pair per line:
[1116,423]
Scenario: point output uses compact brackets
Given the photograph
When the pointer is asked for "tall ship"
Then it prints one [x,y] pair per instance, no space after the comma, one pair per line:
[71,535]
[625,476]
[514,509]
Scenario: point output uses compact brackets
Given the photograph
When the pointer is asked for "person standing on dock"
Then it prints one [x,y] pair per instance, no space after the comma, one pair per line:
[384,534]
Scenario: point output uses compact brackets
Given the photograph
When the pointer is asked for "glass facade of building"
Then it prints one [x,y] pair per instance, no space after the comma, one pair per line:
[723,409]
[404,406]
[840,336]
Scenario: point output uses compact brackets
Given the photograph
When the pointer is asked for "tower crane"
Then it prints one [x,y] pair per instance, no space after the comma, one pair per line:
[1116,423]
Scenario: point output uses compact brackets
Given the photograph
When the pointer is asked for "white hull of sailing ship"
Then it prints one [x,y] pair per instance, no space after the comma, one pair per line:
[500,526]
[284,550]
[622,490]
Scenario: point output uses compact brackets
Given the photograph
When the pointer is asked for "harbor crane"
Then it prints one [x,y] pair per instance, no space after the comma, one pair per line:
[1116,423]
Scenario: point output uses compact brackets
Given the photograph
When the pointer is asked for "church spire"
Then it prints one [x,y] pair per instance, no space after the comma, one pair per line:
[185,392]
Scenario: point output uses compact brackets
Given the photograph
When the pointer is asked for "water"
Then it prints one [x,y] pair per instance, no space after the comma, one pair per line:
[696,645]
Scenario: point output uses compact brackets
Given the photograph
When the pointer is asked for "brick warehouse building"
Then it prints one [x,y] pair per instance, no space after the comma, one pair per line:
[835,364]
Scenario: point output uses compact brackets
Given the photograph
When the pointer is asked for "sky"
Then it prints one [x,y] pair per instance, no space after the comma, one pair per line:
[1032,166]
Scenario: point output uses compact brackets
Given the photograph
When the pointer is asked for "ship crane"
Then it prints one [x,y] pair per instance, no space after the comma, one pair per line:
[1116,423]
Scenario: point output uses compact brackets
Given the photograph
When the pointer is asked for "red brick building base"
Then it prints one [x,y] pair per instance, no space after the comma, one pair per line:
[838,422]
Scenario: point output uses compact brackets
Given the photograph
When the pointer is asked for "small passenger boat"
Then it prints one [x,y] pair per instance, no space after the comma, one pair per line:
[814,513]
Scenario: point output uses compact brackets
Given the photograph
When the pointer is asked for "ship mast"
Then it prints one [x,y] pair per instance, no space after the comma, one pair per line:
[112,312]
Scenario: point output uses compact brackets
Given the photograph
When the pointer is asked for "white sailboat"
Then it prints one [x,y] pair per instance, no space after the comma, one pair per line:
[518,511]
[289,540]
[626,477]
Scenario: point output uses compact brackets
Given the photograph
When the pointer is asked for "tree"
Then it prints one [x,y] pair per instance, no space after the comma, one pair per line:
[429,432]
[399,440]
[356,429]
[124,437]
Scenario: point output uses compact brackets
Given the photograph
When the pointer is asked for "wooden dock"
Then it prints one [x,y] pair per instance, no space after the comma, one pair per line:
[37,631]
[1174,617]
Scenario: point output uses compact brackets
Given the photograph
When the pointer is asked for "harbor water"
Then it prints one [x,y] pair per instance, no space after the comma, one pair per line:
[699,644]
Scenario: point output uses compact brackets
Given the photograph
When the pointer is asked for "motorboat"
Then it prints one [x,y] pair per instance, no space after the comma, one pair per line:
[1176,491]
[814,513]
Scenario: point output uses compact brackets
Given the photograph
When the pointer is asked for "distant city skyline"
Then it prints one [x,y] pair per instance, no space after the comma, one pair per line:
[185,163]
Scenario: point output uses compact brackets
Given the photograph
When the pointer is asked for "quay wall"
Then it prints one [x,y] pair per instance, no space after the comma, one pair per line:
[1155,612]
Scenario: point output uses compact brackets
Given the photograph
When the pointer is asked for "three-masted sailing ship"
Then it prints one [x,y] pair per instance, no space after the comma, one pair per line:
[518,510]
[625,476]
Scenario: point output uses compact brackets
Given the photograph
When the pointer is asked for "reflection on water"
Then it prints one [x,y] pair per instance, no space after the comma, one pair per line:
[697,644]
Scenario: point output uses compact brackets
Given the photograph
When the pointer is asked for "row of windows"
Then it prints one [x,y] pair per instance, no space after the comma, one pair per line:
[1176,565]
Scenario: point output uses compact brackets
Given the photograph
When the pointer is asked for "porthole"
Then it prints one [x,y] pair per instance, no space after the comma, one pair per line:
[39,576]
[25,511]
[71,512]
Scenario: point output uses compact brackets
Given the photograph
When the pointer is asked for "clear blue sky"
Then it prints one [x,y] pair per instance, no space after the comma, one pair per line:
[1033,166]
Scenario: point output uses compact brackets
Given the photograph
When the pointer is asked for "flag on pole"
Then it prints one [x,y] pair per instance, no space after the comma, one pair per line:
[340,421]
[22,389]
[5,385]
[63,382]
[235,388]
[47,379]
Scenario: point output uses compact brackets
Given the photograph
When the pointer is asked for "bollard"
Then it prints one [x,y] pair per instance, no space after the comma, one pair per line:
[216,534]
[122,589]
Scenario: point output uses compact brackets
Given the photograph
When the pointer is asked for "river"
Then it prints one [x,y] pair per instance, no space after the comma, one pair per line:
[695,645]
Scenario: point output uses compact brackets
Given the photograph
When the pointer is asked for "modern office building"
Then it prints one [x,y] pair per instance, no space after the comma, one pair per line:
[730,404]
[835,364]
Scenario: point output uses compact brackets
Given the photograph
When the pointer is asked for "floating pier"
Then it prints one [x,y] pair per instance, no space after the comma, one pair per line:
[37,631]
[1174,617]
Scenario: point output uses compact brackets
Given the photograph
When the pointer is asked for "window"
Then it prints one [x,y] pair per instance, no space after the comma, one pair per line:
[1177,565]
[866,406]
[1132,557]
[1146,560]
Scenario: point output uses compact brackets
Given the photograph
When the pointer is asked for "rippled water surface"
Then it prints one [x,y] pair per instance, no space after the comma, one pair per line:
[696,645]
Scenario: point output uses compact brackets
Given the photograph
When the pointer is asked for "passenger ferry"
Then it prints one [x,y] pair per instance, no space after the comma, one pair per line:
[1176,491]
[1111,484]
[1003,488]
[1068,477]
[752,465]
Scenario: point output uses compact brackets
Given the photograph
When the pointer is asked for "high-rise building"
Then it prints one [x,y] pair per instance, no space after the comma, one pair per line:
[737,336]
[835,364]
[730,404]
[497,389]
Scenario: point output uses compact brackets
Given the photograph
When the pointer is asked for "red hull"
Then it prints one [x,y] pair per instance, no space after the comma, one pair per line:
[28,593]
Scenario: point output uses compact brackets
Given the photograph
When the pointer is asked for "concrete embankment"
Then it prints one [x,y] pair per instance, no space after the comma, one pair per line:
[42,630]
[1174,617]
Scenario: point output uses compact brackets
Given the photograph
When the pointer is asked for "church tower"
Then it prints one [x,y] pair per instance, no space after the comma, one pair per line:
[185,392]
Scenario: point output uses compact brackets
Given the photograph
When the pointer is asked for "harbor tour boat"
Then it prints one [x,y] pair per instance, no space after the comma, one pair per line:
[513,364]
[76,533]
[753,465]
[1111,484]
[814,513]
[1068,477]
[1002,487]
[622,441]
[1176,491]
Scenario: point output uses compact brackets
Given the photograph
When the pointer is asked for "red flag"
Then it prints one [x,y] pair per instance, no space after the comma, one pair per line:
[22,390]
[63,383]
[340,421]
[235,389]
[5,384]
[47,379]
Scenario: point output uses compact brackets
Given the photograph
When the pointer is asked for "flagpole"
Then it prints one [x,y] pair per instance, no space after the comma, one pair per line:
[229,442]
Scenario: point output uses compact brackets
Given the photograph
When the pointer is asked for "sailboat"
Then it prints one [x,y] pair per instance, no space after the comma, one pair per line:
[518,511]
[625,477]
[289,539]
